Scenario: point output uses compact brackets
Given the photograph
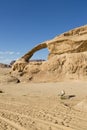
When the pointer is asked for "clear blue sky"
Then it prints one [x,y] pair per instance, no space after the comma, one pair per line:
[25,23]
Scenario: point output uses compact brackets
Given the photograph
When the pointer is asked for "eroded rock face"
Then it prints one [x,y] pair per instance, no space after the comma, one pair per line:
[19,65]
[67,58]
[74,41]
[66,66]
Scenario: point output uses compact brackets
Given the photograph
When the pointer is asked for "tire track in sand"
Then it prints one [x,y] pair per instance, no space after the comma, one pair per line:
[69,117]
[13,124]
[39,122]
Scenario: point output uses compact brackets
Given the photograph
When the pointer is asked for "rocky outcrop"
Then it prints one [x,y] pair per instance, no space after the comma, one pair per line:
[4,65]
[67,58]
[28,55]
[74,41]
[6,77]
[20,64]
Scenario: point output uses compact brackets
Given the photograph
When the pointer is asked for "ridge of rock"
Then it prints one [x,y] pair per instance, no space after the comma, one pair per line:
[67,58]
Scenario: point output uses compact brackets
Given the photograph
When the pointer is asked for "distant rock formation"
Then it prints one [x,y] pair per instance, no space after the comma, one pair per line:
[12,62]
[67,59]
[4,65]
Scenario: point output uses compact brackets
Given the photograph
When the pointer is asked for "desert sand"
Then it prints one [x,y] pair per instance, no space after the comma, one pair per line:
[51,94]
[38,106]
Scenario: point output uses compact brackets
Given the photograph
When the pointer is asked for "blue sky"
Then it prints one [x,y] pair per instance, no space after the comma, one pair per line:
[25,23]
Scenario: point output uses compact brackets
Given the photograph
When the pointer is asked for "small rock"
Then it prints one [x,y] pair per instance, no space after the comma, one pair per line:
[1,91]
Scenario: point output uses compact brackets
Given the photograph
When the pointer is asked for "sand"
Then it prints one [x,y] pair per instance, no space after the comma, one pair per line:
[37,106]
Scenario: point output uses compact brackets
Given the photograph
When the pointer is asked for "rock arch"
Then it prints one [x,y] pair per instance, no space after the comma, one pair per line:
[29,54]
[74,41]
[20,64]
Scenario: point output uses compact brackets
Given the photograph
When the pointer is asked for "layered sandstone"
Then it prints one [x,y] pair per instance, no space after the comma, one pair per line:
[74,41]
[67,58]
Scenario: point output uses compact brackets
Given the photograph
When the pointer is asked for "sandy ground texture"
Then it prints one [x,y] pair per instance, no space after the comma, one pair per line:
[38,106]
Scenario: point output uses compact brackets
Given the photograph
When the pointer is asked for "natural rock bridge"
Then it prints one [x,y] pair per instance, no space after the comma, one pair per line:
[28,55]
[74,41]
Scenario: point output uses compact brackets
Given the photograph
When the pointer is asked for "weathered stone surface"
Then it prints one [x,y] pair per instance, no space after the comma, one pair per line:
[28,55]
[19,65]
[73,41]
[67,58]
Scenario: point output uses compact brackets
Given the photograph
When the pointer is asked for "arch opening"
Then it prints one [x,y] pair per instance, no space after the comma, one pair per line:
[40,55]
[29,54]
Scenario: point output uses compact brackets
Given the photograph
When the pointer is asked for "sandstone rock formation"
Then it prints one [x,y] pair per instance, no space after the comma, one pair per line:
[22,62]
[67,58]
[74,41]
[4,65]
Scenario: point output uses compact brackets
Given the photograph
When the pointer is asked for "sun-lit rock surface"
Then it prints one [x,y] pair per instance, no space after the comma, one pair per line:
[67,58]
